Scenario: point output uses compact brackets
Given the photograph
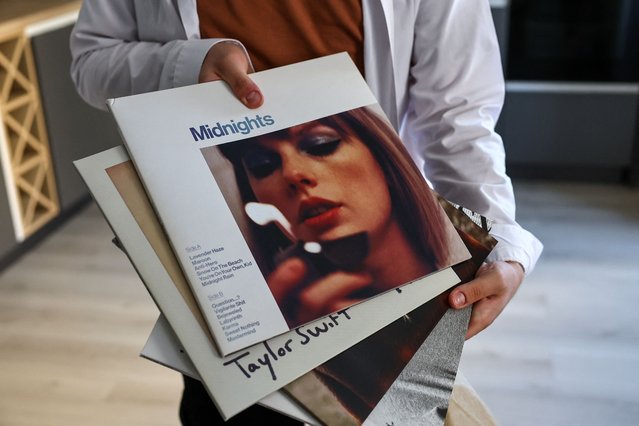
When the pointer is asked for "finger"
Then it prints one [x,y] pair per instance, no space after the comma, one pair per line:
[486,283]
[320,298]
[343,304]
[484,314]
[286,277]
[485,311]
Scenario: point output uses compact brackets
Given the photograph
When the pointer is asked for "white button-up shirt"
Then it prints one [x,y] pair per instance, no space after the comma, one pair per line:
[434,66]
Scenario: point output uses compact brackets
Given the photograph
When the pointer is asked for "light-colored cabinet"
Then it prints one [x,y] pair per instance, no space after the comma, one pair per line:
[44,125]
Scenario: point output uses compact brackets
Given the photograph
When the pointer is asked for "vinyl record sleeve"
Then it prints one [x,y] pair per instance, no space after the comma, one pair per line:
[240,379]
[318,152]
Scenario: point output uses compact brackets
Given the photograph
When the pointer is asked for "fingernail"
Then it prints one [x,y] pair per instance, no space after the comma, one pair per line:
[459,299]
[296,265]
[253,98]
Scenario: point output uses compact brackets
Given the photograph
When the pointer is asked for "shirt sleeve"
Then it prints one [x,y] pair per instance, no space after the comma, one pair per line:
[124,47]
[456,93]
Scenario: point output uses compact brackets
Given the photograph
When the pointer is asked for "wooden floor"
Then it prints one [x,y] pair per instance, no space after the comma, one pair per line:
[566,349]
[73,316]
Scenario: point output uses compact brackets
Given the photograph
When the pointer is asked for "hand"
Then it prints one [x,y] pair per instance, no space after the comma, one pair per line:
[227,61]
[328,294]
[491,290]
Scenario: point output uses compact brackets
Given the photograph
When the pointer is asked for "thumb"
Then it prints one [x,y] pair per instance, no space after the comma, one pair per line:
[235,75]
[244,88]
[471,292]
[229,62]
[286,277]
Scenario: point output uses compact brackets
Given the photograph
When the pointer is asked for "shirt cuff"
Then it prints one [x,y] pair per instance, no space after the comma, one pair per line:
[515,244]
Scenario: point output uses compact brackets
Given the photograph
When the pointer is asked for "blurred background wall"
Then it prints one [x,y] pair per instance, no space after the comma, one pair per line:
[572,71]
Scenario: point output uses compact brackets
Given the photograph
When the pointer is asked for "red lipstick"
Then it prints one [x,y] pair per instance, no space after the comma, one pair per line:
[318,213]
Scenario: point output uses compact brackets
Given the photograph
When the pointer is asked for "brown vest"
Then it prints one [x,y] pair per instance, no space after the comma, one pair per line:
[281,32]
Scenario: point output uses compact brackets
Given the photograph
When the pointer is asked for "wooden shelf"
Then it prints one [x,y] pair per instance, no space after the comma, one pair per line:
[18,14]
[26,158]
